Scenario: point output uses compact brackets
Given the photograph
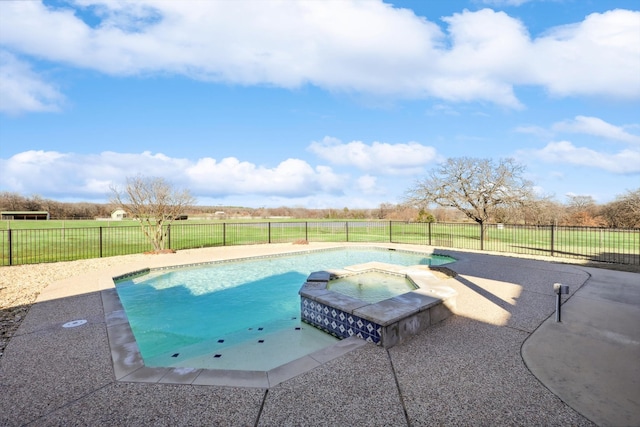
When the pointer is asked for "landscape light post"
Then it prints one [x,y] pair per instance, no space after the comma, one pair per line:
[560,290]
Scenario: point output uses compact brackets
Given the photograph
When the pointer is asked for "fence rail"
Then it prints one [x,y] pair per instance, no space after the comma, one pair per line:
[30,246]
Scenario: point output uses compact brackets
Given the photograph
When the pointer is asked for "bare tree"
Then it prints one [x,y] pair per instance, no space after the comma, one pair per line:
[582,210]
[543,211]
[11,201]
[624,211]
[384,210]
[631,201]
[475,187]
[580,203]
[154,203]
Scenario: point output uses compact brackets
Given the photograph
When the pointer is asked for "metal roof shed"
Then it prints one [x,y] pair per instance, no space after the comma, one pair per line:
[26,215]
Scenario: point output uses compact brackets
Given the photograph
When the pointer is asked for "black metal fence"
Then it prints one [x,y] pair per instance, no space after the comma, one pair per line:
[29,246]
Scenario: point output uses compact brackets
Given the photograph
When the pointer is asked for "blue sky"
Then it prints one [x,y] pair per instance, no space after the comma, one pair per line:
[316,103]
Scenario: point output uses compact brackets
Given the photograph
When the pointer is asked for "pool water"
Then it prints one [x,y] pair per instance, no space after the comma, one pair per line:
[372,287]
[236,315]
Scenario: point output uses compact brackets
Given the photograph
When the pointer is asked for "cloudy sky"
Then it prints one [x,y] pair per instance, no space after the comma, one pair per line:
[316,103]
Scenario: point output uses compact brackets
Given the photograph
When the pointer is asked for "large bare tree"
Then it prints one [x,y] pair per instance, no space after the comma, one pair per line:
[154,203]
[476,187]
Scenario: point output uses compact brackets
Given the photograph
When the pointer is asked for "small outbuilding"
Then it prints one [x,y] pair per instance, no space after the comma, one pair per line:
[25,215]
[118,214]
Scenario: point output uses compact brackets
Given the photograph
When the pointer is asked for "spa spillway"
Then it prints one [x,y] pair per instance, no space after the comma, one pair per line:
[426,300]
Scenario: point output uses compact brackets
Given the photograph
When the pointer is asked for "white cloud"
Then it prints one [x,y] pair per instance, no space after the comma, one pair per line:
[445,109]
[331,44]
[292,177]
[51,172]
[623,162]
[598,56]
[488,52]
[534,130]
[368,184]
[22,90]
[60,174]
[393,159]
[505,2]
[597,127]
[352,46]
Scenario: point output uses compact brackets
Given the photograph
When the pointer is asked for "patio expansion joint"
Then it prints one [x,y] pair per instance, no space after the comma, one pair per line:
[400,395]
[262,403]
[69,403]
[520,329]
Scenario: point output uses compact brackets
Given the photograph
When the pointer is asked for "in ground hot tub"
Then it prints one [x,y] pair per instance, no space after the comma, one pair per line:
[372,286]
[385,322]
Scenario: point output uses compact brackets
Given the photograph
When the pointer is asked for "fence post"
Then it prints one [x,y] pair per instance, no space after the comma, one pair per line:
[306,231]
[429,233]
[482,236]
[169,236]
[346,229]
[553,238]
[390,232]
[224,234]
[10,247]
[269,232]
[100,244]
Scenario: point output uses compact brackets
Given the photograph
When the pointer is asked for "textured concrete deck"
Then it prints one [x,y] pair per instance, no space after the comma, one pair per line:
[466,370]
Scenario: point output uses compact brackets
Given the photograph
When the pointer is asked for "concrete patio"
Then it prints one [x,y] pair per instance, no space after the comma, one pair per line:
[501,360]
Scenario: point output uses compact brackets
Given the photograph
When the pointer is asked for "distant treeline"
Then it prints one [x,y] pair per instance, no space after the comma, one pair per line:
[623,212]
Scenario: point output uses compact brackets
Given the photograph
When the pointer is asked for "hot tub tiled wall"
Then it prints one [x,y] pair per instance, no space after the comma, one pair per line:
[337,322]
[385,323]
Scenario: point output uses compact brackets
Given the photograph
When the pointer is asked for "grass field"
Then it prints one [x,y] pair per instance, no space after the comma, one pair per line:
[26,242]
[82,223]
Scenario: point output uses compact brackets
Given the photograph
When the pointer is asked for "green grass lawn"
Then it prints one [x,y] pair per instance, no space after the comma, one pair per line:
[54,240]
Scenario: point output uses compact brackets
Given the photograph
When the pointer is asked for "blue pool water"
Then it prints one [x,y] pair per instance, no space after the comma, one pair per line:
[236,315]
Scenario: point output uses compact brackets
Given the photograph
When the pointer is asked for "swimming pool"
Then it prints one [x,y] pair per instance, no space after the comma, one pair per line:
[236,315]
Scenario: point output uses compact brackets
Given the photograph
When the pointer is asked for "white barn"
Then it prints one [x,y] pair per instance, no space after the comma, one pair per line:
[118,214]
